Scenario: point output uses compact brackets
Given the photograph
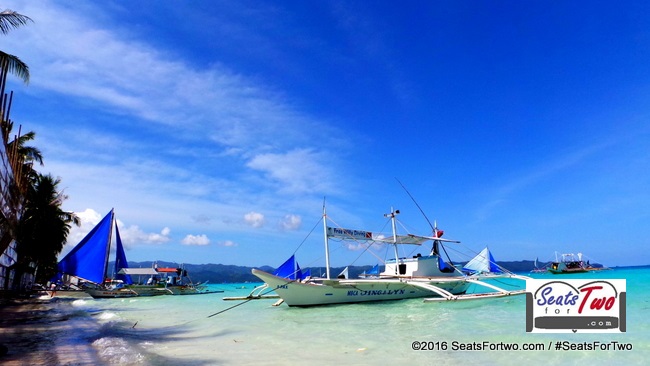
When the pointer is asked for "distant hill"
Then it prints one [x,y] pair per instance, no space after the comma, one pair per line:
[225,273]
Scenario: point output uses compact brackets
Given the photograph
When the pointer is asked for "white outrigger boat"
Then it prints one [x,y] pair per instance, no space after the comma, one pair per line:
[428,277]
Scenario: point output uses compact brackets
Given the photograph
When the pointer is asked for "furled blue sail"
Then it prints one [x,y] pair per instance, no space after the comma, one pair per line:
[120,259]
[88,260]
[374,270]
[443,266]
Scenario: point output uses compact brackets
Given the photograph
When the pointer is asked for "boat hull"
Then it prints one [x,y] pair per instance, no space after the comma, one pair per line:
[565,271]
[156,290]
[110,294]
[568,267]
[149,290]
[327,292]
[185,290]
[67,293]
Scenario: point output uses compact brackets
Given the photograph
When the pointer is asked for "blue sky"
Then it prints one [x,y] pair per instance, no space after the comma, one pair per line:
[216,128]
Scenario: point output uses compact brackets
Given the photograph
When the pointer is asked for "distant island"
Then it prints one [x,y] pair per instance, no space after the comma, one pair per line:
[223,273]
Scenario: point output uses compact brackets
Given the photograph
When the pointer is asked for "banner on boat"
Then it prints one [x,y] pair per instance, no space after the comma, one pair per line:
[575,305]
[335,232]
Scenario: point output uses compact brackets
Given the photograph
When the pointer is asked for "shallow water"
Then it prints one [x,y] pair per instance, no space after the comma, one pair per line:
[173,330]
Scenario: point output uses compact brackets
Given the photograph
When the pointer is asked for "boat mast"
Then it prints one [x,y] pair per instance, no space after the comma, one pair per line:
[392,215]
[108,247]
[327,246]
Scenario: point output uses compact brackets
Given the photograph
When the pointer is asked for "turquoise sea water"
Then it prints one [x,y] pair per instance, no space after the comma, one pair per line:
[173,330]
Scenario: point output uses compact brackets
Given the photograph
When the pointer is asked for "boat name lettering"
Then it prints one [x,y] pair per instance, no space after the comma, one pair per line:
[358,234]
[375,292]
[282,286]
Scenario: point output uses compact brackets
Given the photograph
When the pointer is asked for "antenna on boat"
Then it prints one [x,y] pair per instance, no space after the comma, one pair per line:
[434,228]
[327,247]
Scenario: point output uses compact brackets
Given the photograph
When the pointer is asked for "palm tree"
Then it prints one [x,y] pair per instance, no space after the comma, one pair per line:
[21,175]
[9,19]
[17,150]
[43,228]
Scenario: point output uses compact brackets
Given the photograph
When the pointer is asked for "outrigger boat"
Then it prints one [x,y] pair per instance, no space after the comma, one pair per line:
[428,277]
[85,267]
[571,263]
[165,281]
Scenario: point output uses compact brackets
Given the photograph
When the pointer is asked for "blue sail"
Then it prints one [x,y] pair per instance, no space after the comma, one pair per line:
[374,270]
[298,273]
[287,269]
[88,260]
[494,268]
[291,270]
[120,259]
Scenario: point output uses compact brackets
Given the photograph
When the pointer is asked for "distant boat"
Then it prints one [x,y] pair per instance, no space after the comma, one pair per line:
[165,281]
[537,269]
[428,277]
[571,263]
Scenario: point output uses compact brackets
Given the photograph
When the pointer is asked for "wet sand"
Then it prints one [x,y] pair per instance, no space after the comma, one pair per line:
[41,331]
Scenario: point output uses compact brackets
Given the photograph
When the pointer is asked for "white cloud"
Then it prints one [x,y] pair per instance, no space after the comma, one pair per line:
[133,235]
[130,235]
[291,222]
[228,243]
[196,240]
[254,219]
[88,219]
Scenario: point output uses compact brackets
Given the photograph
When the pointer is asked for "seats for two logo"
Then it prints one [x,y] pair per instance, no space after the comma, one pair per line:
[576,305]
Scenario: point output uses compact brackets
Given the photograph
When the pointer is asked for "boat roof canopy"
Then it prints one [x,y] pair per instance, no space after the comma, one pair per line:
[138,271]
[167,270]
[402,239]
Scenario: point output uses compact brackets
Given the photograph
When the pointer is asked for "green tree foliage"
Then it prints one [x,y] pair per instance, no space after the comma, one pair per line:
[44,226]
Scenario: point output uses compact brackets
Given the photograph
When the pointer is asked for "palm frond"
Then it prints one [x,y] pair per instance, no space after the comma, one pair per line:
[14,65]
[9,20]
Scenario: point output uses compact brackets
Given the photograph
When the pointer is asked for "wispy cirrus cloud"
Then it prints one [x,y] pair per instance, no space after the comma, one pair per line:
[162,133]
